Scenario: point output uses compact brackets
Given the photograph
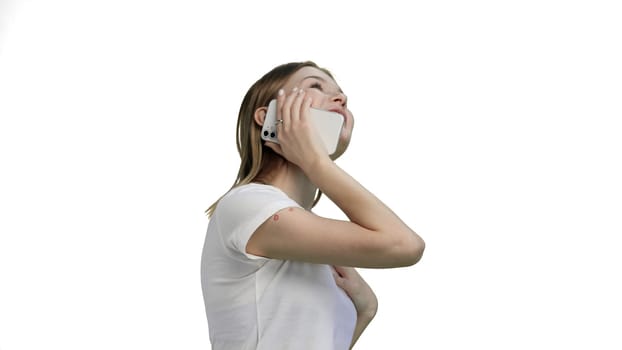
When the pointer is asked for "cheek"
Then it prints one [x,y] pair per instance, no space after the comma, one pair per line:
[348,127]
[316,97]
[349,120]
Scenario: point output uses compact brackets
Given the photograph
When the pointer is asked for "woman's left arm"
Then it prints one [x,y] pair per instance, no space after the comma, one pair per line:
[363,297]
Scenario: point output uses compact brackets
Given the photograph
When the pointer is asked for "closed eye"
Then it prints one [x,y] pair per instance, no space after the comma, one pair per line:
[317,85]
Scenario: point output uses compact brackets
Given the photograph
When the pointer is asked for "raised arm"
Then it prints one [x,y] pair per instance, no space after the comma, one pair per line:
[374,236]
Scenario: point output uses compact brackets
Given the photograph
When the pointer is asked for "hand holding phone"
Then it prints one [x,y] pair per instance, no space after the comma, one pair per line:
[328,125]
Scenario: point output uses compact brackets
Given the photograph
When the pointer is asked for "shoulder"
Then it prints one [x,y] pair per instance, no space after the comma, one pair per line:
[252,192]
[249,198]
[244,208]
[252,188]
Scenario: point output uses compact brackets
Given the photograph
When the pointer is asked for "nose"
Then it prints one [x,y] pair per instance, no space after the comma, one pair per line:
[340,98]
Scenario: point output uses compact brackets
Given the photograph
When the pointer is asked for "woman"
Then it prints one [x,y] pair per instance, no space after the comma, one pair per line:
[275,275]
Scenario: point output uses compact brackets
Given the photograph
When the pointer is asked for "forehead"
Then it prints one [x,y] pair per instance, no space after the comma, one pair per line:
[304,72]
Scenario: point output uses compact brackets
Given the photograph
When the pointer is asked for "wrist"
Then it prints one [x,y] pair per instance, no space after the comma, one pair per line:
[317,166]
[368,313]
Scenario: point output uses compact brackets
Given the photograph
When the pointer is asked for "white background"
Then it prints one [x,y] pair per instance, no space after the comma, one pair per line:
[491,127]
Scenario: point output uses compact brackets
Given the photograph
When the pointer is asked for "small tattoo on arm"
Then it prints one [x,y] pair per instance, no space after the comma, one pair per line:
[276,216]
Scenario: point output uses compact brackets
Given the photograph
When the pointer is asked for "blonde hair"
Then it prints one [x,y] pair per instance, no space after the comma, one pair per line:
[255,157]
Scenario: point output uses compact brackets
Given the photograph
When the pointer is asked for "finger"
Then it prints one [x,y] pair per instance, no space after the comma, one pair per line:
[280,98]
[334,269]
[338,280]
[341,271]
[346,272]
[286,108]
[296,106]
[306,106]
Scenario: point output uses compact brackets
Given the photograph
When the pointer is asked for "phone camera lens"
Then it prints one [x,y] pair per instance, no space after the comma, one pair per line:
[265,133]
[273,135]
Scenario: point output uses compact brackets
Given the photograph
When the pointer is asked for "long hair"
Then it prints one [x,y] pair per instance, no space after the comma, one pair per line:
[255,157]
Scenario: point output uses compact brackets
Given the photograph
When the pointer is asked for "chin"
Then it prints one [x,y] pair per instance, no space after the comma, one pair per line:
[344,142]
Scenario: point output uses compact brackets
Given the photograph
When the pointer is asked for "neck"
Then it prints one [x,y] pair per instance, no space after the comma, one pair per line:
[290,179]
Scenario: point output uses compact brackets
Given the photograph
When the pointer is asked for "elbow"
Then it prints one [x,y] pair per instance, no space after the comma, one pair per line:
[418,250]
[405,248]
[412,250]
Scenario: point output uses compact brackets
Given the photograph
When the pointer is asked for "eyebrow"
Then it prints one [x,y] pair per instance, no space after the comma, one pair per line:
[319,78]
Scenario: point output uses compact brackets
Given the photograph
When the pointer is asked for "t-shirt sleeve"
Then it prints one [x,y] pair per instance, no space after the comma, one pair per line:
[243,210]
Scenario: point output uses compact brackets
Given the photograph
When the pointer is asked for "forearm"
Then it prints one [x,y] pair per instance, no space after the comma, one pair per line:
[360,205]
[361,323]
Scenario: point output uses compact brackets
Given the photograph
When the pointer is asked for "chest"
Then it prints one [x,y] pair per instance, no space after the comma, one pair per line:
[288,285]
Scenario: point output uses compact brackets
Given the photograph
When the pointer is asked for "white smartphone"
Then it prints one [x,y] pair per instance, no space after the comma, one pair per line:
[328,125]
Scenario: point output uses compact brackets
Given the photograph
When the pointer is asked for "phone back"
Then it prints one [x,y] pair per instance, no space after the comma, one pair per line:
[328,125]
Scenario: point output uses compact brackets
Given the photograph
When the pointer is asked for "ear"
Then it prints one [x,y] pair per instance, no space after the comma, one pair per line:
[260,115]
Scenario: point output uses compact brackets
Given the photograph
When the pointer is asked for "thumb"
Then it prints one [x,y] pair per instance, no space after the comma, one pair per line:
[338,279]
[343,271]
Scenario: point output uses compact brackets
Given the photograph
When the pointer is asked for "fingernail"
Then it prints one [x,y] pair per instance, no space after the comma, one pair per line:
[295,89]
[301,91]
[281,92]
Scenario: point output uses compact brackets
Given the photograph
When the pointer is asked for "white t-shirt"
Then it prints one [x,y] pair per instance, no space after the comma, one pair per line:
[258,303]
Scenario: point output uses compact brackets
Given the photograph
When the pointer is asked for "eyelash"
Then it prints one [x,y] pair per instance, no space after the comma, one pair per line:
[317,86]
